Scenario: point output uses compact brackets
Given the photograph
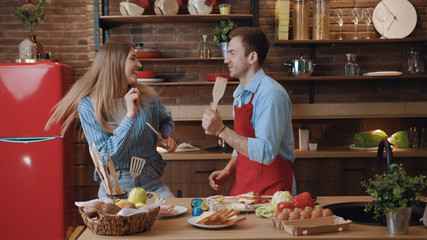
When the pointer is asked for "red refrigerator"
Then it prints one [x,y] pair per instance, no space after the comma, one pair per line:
[36,177]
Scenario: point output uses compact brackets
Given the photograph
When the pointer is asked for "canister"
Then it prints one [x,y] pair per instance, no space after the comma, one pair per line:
[301,18]
[321,11]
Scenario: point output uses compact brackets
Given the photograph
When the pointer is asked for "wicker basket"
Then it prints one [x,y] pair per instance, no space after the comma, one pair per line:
[108,224]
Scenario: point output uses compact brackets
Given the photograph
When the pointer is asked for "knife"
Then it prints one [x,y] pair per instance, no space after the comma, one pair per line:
[155,131]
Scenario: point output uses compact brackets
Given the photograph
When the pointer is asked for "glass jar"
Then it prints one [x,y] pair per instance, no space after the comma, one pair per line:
[356,67]
[415,62]
[321,11]
[301,18]
[349,66]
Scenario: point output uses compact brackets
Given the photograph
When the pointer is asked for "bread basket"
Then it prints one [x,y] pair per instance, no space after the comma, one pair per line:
[107,224]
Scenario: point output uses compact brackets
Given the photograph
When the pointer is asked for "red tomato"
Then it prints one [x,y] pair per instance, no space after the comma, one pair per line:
[283,205]
[263,200]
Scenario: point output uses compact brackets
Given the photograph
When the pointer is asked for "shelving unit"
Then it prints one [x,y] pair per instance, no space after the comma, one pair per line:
[106,22]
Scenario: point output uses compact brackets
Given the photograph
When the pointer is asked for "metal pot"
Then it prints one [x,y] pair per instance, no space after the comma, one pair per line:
[300,67]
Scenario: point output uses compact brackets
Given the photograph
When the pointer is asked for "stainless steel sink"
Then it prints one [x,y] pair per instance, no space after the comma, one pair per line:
[355,212]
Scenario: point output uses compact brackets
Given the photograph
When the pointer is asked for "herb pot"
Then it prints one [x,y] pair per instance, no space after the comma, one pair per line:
[398,223]
[300,67]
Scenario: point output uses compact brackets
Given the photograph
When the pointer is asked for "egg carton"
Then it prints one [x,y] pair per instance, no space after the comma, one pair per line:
[312,225]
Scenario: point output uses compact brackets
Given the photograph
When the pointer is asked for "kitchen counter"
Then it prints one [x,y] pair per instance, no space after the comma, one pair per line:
[322,152]
[255,228]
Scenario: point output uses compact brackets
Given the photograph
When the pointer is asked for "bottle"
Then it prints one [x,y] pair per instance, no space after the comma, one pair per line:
[321,12]
[39,46]
[356,68]
[301,18]
[348,66]
[204,51]
[415,62]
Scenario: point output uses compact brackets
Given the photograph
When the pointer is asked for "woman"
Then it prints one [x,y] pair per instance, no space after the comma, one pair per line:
[113,109]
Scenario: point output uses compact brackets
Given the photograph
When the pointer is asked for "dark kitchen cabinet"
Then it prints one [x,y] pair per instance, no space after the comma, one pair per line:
[189,178]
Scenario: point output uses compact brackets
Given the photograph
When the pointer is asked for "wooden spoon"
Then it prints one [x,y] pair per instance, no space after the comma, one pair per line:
[218,91]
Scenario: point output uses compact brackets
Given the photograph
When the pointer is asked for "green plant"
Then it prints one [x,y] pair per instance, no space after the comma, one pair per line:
[30,12]
[312,140]
[220,33]
[393,190]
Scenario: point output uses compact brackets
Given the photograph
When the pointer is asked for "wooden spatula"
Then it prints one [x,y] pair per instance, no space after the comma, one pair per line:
[218,91]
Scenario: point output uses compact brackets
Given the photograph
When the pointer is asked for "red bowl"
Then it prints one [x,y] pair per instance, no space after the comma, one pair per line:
[147,54]
[212,77]
[146,74]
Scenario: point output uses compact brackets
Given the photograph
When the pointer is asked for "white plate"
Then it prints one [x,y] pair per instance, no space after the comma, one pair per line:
[266,215]
[150,80]
[364,148]
[249,207]
[383,73]
[193,221]
[179,210]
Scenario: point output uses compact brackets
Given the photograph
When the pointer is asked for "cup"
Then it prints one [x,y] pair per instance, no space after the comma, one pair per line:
[224,8]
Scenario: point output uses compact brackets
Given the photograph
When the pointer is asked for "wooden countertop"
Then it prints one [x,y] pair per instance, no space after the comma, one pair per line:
[255,228]
[322,152]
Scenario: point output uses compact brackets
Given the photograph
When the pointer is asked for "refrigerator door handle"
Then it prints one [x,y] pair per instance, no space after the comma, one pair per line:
[28,139]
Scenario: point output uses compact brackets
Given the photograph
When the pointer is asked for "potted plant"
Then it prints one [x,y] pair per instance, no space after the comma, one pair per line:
[312,145]
[303,134]
[394,193]
[30,13]
[220,34]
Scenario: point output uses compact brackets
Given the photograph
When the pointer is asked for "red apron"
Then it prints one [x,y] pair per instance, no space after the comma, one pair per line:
[252,176]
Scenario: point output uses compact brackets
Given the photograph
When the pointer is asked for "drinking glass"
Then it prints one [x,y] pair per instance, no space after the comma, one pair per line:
[340,16]
[356,18]
[367,15]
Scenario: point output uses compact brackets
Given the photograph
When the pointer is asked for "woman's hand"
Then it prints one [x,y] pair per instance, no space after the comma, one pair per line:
[169,144]
[132,102]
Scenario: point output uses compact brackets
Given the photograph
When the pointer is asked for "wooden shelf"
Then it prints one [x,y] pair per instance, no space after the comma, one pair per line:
[335,78]
[115,21]
[285,78]
[352,41]
[181,60]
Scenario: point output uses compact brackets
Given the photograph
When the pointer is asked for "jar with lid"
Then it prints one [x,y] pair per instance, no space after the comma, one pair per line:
[321,12]
[300,19]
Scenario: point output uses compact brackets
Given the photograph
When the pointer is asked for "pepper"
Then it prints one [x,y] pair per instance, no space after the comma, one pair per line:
[303,200]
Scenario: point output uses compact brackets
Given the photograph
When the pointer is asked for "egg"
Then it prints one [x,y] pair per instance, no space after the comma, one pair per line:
[308,209]
[283,216]
[327,212]
[304,214]
[287,210]
[316,214]
[294,215]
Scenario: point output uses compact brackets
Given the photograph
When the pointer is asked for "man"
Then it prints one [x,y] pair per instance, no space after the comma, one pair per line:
[262,139]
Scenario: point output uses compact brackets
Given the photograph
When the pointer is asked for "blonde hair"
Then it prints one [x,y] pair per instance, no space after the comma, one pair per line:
[103,83]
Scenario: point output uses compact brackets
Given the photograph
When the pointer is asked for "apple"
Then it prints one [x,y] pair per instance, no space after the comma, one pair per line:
[122,203]
[140,204]
[137,195]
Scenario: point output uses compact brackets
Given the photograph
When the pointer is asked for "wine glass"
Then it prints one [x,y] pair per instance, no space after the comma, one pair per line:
[367,15]
[381,15]
[340,16]
[356,18]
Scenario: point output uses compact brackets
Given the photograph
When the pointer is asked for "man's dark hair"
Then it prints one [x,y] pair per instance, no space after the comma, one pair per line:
[253,40]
